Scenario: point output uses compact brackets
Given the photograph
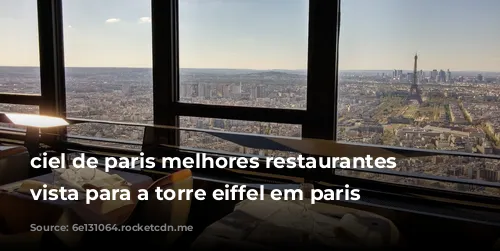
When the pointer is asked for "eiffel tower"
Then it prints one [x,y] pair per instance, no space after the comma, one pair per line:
[415,92]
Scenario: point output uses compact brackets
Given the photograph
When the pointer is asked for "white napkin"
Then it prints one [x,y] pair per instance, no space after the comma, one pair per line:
[28,185]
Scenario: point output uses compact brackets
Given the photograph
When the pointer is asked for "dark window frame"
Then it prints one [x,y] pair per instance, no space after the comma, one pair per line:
[52,68]
[20,99]
[318,120]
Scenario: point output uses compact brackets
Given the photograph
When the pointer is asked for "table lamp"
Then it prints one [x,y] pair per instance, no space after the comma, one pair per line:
[33,125]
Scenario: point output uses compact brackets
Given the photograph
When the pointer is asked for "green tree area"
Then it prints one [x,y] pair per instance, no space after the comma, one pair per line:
[464,111]
[388,138]
[436,112]
[449,113]
[490,133]
[389,106]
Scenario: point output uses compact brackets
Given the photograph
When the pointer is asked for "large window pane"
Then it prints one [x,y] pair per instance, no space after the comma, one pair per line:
[244,52]
[19,55]
[422,74]
[108,64]
[249,53]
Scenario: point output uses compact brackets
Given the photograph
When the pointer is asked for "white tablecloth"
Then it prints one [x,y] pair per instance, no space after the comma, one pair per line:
[272,225]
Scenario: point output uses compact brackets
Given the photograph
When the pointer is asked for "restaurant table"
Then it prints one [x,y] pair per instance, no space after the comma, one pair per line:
[65,212]
[275,225]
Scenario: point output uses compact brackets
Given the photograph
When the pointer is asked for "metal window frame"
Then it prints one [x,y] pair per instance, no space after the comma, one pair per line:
[51,46]
[321,119]
[20,99]
[52,76]
[318,120]
[52,98]
[165,70]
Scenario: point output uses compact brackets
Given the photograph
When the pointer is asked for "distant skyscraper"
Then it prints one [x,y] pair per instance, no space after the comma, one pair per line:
[409,76]
[261,92]
[226,91]
[442,76]
[236,89]
[479,77]
[448,76]
[434,75]
[201,90]
[254,93]
[182,90]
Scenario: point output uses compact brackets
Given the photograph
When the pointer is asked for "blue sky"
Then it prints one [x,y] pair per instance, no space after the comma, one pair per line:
[265,34]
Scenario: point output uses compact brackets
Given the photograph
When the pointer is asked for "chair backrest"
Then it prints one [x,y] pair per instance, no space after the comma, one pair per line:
[14,164]
[19,213]
[173,213]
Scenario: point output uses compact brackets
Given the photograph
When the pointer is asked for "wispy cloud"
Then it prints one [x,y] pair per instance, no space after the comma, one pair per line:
[113,20]
[144,20]
[69,26]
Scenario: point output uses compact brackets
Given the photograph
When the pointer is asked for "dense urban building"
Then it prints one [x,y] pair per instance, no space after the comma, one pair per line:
[457,114]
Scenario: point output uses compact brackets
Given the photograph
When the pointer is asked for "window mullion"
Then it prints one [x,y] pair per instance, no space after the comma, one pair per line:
[322,71]
[52,76]
[164,20]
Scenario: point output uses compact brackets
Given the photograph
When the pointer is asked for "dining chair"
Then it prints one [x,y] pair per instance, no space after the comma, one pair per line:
[151,212]
[16,217]
[14,164]
[20,213]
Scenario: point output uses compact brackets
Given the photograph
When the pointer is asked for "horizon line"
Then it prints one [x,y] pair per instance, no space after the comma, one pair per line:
[136,67]
[274,69]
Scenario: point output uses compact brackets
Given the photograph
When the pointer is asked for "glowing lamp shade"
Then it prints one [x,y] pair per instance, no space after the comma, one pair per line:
[35,120]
